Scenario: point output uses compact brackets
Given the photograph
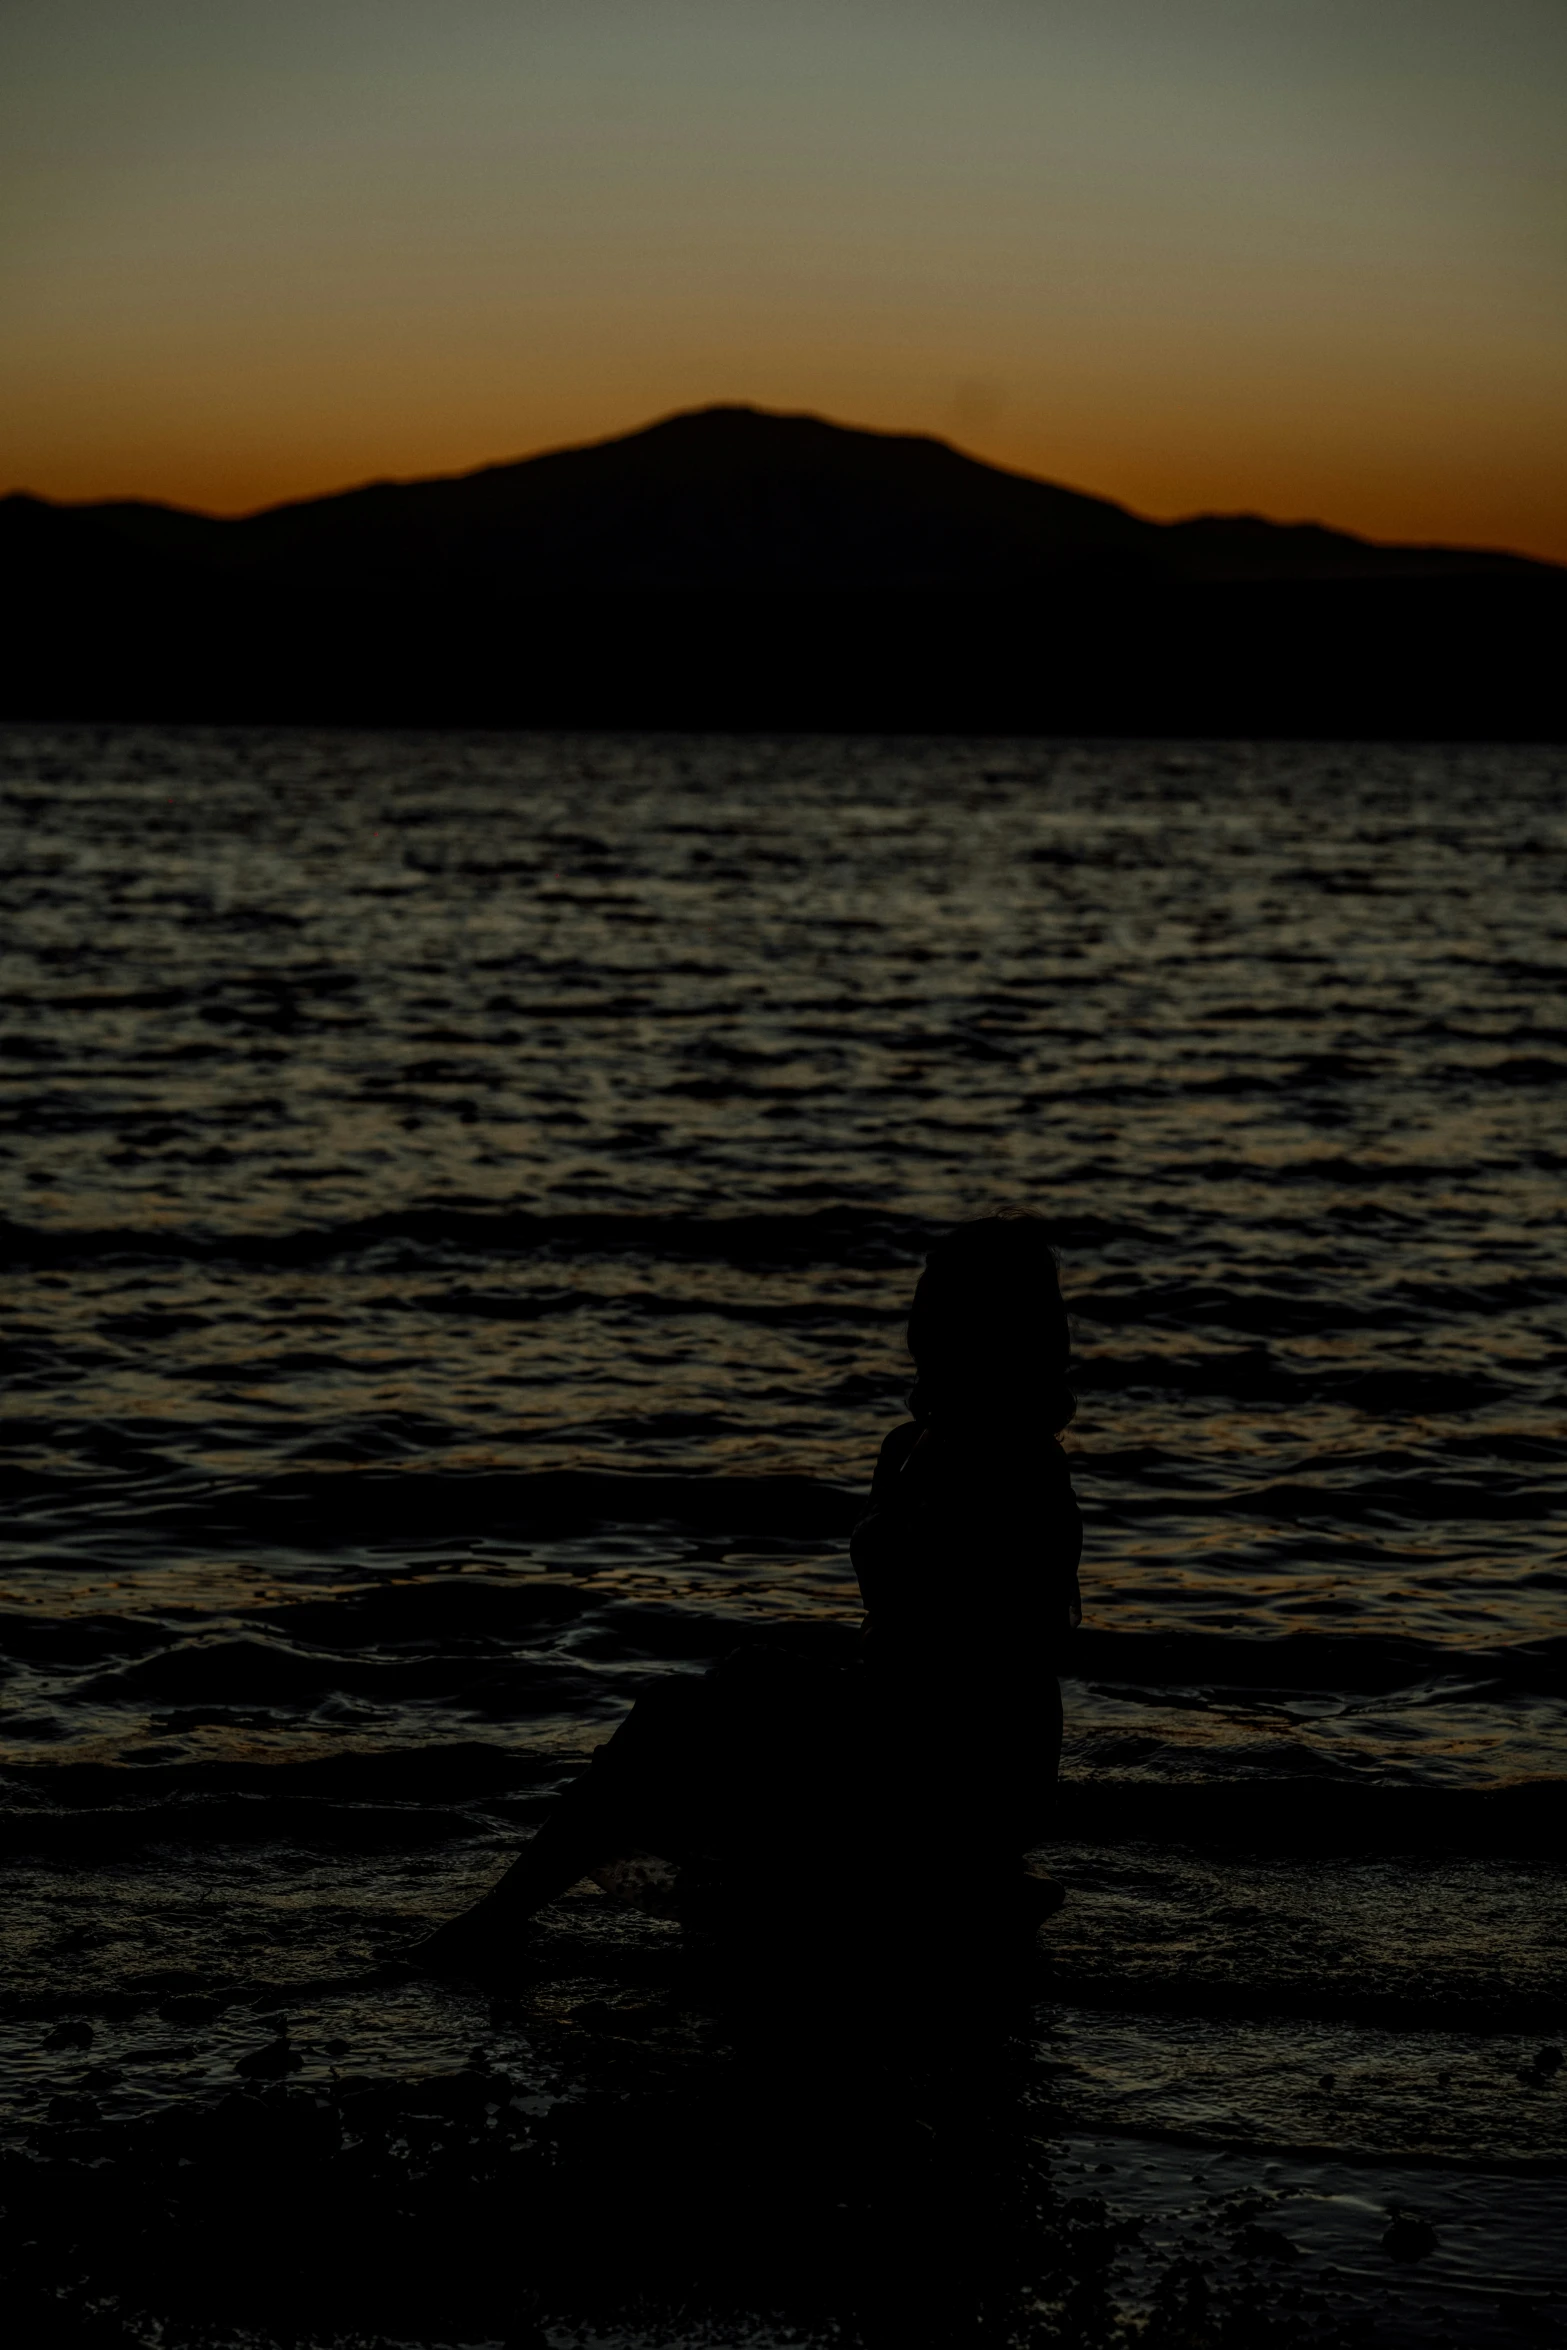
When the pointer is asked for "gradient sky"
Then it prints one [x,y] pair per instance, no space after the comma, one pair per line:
[1307,257]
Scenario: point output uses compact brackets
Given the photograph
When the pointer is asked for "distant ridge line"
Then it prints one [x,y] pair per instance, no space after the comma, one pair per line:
[729,570]
[682,447]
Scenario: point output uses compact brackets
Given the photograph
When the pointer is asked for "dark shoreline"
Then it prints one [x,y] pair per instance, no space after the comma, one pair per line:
[623,2150]
[1465,659]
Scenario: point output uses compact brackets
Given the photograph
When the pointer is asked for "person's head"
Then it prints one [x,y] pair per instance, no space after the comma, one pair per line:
[987,1330]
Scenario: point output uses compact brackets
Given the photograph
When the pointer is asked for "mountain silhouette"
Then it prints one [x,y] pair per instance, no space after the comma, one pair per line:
[733,498]
[733,567]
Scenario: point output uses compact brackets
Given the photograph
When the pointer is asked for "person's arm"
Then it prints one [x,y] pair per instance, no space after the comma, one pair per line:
[880,1533]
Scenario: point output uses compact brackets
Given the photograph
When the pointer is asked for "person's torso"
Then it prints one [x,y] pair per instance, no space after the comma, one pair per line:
[969,1551]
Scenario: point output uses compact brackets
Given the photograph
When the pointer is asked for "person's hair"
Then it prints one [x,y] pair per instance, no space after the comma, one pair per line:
[987,1329]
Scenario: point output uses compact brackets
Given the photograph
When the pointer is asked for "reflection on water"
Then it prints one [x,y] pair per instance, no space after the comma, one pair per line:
[413,1110]
[463,1194]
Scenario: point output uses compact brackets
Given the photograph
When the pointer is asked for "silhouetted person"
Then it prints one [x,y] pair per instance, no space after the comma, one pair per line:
[919,1774]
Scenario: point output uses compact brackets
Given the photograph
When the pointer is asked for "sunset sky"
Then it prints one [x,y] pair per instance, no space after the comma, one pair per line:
[1307,257]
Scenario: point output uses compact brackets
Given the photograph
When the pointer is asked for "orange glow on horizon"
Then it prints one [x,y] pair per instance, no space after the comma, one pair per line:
[1300,262]
[1347,489]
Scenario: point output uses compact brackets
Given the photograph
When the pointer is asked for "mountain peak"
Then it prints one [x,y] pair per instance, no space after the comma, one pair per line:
[732,499]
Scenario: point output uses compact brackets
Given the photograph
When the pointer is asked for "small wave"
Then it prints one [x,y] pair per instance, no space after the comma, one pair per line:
[1416,1499]
[207,1822]
[1253,1375]
[822,1236]
[294,1646]
[366,1505]
[1277,1816]
[1257,1313]
[1461,2007]
[1347,1663]
[426,1797]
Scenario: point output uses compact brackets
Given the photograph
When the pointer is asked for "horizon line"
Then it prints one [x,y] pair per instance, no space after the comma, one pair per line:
[781,415]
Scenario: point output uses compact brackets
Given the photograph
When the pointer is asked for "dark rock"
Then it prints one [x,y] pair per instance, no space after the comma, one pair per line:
[74,2110]
[76,2035]
[269,2063]
[189,2008]
[1547,2062]
[1256,2243]
[453,2096]
[1409,2238]
[71,2144]
[630,2018]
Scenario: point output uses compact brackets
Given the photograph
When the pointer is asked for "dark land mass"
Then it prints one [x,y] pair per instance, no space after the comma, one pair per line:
[729,568]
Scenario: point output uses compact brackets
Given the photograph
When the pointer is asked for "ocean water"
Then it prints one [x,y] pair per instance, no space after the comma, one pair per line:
[462,1195]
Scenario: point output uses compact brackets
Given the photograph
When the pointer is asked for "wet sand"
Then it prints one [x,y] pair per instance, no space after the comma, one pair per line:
[1176,2125]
